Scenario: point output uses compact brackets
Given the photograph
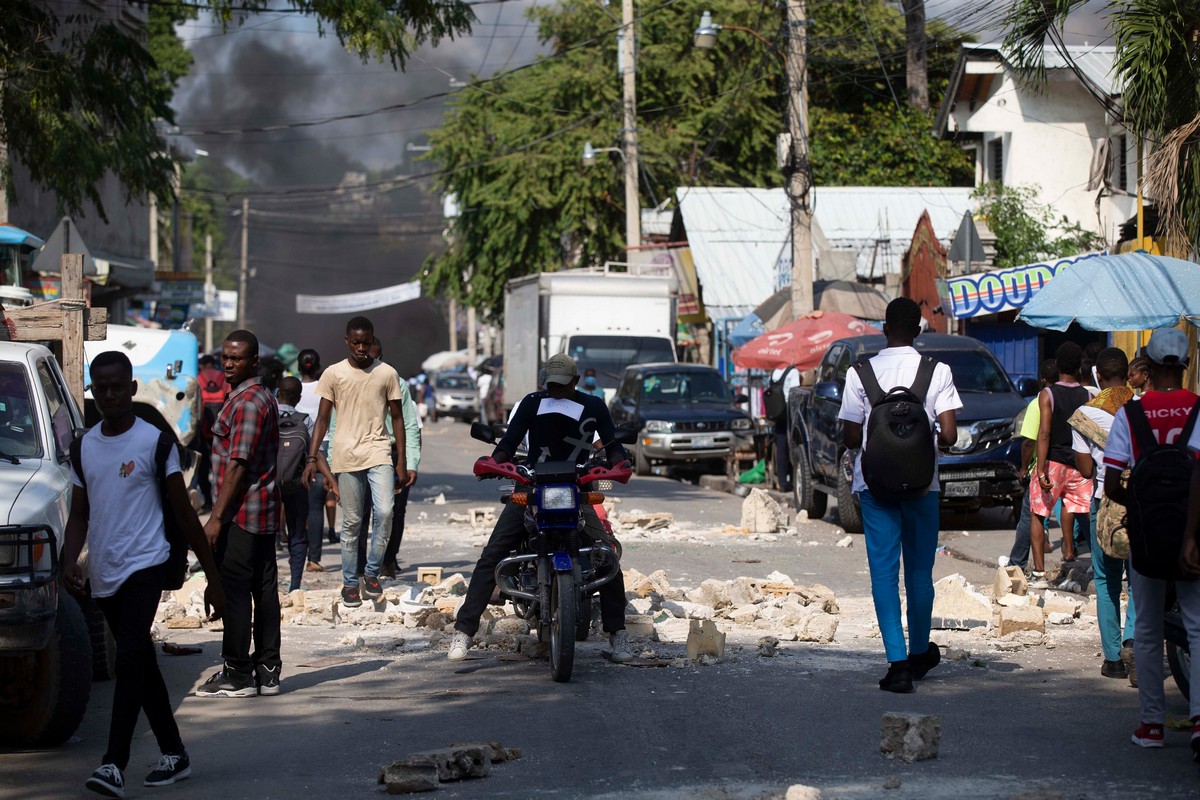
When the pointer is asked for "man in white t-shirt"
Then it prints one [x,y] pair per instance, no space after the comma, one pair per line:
[117,510]
[1090,425]
[788,378]
[909,526]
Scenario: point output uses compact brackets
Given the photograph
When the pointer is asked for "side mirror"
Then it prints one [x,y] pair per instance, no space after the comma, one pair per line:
[1028,387]
[739,398]
[627,435]
[483,433]
[828,390]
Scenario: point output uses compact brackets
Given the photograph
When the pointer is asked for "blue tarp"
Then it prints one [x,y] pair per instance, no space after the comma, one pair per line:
[10,235]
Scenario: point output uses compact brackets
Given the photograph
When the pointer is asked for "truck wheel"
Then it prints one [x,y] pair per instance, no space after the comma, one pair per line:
[44,695]
[804,495]
[641,464]
[104,646]
[848,512]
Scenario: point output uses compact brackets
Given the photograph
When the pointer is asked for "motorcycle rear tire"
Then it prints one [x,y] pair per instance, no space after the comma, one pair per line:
[563,613]
[1180,661]
[583,625]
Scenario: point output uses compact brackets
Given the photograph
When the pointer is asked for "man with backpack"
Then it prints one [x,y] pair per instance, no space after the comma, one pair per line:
[127,482]
[895,478]
[775,407]
[295,435]
[1151,436]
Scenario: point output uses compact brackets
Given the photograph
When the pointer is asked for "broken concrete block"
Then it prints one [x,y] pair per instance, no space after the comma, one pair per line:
[712,593]
[705,639]
[801,792]
[438,620]
[455,763]
[818,627]
[430,575]
[742,592]
[658,579]
[1061,603]
[671,629]
[1009,580]
[510,625]
[846,541]
[957,606]
[767,646]
[400,778]
[639,626]
[455,584]
[1059,618]
[646,521]
[820,596]
[637,583]
[1014,600]
[742,615]
[482,516]
[910,737]
[499,752]
[694,610]
[1028,618]
[761,513]
[185,622]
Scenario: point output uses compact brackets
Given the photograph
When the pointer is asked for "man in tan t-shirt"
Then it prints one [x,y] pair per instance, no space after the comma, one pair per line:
[361,388]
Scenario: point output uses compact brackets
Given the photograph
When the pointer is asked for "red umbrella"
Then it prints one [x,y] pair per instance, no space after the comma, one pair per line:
[801,343]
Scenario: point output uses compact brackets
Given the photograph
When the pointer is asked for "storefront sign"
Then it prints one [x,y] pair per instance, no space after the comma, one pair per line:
[999,290]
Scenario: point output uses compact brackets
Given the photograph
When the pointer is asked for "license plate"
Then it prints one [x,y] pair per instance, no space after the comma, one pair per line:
[961,489]
[703,441]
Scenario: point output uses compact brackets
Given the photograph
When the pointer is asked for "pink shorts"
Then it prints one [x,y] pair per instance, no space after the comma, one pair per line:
[1066,484]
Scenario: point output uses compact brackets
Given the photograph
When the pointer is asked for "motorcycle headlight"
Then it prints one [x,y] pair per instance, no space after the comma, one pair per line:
[557,498]
[659,426]
[740,424]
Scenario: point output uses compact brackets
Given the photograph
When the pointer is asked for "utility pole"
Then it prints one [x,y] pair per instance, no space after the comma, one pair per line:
[797,169]
[633,211]
[244,273]
[471,335]
[210,291]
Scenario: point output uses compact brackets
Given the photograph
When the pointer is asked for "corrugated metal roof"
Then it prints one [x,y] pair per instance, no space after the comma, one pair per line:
[1094,62]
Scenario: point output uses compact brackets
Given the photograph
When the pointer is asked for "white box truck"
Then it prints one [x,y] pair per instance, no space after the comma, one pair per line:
[605,321]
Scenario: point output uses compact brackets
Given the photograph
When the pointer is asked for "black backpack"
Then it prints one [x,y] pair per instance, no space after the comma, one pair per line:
[177,562]
[293,451]
[775,400]
[1158,496]
[899,454]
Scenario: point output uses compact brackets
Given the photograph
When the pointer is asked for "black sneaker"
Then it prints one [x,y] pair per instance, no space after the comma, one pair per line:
[371,587]
[170,768]
[1114,669]
[106,781]
[333,536]
[350,597]
[920,665]
[268,680]
[899,678]
[227,683]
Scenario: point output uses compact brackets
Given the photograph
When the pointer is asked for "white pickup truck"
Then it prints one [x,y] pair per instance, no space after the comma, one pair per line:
[47,640]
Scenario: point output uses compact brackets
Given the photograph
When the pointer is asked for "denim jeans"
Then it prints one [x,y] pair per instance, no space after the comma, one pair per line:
[1107,572]
[353,486]
[295,511]
[907,529]
[1019,555]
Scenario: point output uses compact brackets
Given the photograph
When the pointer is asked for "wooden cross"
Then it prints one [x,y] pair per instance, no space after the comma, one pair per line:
[69,320]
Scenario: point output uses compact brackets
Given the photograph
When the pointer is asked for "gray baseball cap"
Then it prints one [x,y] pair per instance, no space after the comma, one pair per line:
[1168,346]
[561,369]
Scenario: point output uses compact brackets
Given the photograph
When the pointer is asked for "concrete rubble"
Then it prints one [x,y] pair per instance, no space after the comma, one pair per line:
[424,771]
[958,606]
[761,513]
[909,737]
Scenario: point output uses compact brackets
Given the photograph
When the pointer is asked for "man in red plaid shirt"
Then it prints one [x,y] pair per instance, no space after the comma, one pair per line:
[244,524]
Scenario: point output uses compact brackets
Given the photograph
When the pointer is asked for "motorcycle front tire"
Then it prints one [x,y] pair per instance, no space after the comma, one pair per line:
[563,613]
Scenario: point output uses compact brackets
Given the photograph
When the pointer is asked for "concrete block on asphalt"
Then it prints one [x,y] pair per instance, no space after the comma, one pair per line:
[742,615]
[454,763]
[400,778]
[1014,600]
[430,575]
[819,627]
[185,622]
[1061,602]
[1029,618]
[711,592]
[743,591]
[510,625]
[705,639]
[761,513]
[910,737]
[638,583]
[1009,580]
[957,606]
[639,626]
[801,792]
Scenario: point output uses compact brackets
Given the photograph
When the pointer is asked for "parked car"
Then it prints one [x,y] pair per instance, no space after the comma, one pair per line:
[983,467]
[455,395]
[494,402]
[683,414]
[46,644]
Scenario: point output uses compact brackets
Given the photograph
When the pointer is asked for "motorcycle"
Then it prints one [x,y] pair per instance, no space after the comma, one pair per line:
[552,576]
[1179,656]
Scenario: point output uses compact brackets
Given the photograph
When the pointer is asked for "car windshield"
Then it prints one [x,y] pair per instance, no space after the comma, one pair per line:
[610,355]
[681,388]
[974,371]
[454,382]
[18,425]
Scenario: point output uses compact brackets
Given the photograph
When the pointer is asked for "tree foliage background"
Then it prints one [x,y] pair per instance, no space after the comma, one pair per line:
[1026,230]
[510,148]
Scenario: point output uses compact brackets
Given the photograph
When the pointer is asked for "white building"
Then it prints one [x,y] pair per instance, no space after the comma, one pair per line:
[1062,135]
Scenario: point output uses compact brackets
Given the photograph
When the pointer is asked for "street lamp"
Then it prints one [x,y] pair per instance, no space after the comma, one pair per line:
[794,143]
[589,153]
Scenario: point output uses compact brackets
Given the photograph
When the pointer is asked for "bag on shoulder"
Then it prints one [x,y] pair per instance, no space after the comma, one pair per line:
[293,451]
[1111,528]
[1158,496]
[775,400]
[176,565]
[899,454]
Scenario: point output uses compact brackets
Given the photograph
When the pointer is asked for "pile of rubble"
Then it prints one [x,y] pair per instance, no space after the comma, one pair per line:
[183,608]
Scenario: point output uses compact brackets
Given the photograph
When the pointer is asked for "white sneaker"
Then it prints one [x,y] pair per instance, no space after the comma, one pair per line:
[459,645]
[1002,561]
[619,642]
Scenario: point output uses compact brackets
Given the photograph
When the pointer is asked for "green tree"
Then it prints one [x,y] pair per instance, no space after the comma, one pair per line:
[510,149]
[1026,231]
[81,97]
[1158,67]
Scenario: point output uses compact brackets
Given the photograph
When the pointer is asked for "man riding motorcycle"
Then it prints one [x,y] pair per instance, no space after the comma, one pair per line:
[561,423]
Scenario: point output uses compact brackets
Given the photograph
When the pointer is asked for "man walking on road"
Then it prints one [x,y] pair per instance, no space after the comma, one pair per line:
[244,525]
[905,528]
[364,391]
[117,509]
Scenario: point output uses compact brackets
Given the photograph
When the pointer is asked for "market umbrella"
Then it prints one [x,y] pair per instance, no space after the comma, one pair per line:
[1127,292]
[801,343]
[843,297]
[446,360]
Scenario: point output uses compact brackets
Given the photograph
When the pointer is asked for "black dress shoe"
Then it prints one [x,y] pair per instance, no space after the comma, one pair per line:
[920,665]
[899,678]
[1114,669]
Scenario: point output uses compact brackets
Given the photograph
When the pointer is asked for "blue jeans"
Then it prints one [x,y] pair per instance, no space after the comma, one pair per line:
[907,529]
[1019,555]
[295,511]
[353,486]
[1107,572]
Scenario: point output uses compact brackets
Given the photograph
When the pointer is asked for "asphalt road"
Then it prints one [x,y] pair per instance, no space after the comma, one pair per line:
[1039,719]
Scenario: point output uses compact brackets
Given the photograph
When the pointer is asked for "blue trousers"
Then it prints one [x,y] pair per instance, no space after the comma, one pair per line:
[906,530]
[379,483]
[1107,572]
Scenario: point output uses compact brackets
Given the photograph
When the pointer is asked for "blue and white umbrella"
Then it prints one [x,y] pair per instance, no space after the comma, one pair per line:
[1127,292]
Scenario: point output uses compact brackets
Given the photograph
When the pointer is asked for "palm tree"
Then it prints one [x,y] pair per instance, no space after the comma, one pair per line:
[1158,67]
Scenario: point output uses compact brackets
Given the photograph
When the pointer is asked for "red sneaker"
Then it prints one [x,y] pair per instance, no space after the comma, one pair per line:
[1147,735]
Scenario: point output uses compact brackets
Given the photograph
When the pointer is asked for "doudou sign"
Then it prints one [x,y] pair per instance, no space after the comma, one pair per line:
[999,290]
